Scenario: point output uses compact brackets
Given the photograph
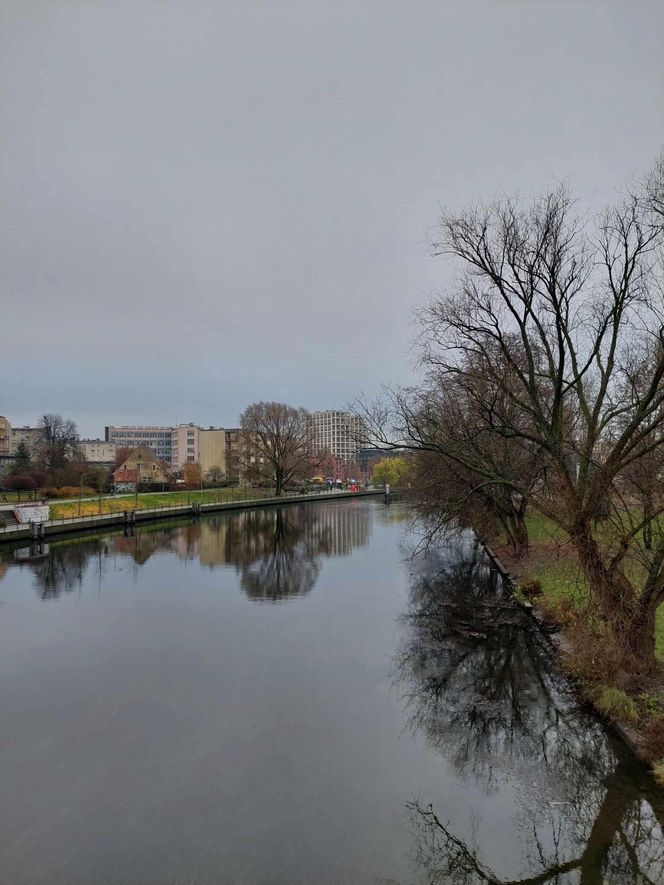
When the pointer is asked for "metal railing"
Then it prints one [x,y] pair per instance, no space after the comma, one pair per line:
[196,504]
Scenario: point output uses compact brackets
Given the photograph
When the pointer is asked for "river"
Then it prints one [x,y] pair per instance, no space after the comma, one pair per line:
[284,696]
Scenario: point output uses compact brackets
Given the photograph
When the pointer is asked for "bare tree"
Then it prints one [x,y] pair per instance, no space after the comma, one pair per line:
[58,445]
[276,442]
[553,309]
[464,472]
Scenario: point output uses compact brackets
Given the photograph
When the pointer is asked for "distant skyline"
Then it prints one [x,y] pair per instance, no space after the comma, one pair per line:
[206,204]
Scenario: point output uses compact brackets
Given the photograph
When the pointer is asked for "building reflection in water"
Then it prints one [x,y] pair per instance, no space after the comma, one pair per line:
[479,682]
[277,551]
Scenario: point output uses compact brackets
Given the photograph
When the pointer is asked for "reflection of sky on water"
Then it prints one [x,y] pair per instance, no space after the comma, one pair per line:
[159,725]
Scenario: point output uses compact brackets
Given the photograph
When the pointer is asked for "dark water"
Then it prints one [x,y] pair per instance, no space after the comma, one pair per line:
[280,696]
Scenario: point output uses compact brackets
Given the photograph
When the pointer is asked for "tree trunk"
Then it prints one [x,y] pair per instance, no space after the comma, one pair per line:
[515,527]
[521,535]
[279,480]
[640,637]
[631,622]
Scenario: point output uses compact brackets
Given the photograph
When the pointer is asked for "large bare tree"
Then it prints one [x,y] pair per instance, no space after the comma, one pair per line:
[58,444]
[555,333]
[276,442]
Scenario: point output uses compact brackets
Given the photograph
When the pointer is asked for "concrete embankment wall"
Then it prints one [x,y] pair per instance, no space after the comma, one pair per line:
[83,523]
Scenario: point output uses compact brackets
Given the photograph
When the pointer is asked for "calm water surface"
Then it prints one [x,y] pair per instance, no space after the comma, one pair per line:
[282,696]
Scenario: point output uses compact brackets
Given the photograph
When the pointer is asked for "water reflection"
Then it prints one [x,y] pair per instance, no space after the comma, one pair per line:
[480,684]
[277,551]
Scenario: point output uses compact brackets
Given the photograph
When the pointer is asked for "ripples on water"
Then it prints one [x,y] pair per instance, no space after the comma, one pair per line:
[398,722]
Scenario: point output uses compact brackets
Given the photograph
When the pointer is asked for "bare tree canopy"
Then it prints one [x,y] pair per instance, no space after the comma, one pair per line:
[59,442]
[543,374]
[276,442]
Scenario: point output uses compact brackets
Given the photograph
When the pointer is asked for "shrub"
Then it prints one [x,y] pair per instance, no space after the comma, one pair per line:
[74,492]
[650,704]
[596,657]
[530,587]
[562,611]
[615,704]
[653,739]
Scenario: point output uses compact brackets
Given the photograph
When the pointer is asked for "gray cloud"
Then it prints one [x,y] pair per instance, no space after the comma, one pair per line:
[207,203]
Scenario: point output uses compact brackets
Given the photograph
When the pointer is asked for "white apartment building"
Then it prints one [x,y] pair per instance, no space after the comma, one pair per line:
[132,435]
[177,446]
[97,451]
[185,445]
[340,433]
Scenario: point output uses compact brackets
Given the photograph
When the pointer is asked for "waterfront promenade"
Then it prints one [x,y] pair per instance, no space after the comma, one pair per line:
[20,532]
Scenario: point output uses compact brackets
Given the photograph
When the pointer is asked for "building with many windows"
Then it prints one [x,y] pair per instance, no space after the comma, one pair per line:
[130,436]
[98,451]
[185,447]
[31,436]
[339,433]
[210,447]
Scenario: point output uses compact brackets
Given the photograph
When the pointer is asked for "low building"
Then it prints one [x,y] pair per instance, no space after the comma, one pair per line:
[98,451]
[141,467]
[31,436]
[125,480]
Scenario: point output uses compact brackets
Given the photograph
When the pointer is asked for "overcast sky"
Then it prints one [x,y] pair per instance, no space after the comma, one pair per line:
[210,203]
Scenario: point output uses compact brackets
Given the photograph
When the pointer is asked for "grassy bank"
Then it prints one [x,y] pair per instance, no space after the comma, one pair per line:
[553,564]
[550,576]
[109,504]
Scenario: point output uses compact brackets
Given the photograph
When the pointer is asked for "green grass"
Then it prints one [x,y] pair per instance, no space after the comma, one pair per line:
[614,703]
[110,504]
[541,528]
[562,581]
[12,497]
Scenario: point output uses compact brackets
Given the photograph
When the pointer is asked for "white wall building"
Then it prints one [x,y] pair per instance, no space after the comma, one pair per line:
[131,436]
[340,433]
[98,451]
[185,445]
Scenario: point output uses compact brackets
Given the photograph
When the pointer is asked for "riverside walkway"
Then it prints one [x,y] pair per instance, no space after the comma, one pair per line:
[33,531]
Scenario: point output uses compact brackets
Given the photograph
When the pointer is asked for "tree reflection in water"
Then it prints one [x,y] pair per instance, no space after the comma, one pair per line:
[480,683]
[285,556]
[277,551]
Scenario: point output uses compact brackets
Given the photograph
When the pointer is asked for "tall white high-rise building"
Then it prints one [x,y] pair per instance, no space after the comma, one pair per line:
[339,433]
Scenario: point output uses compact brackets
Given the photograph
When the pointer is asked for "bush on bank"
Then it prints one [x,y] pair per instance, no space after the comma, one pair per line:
[551,578]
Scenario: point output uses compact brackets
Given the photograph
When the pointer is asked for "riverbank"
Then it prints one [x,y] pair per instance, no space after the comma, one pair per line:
[130,515]
[549,578]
